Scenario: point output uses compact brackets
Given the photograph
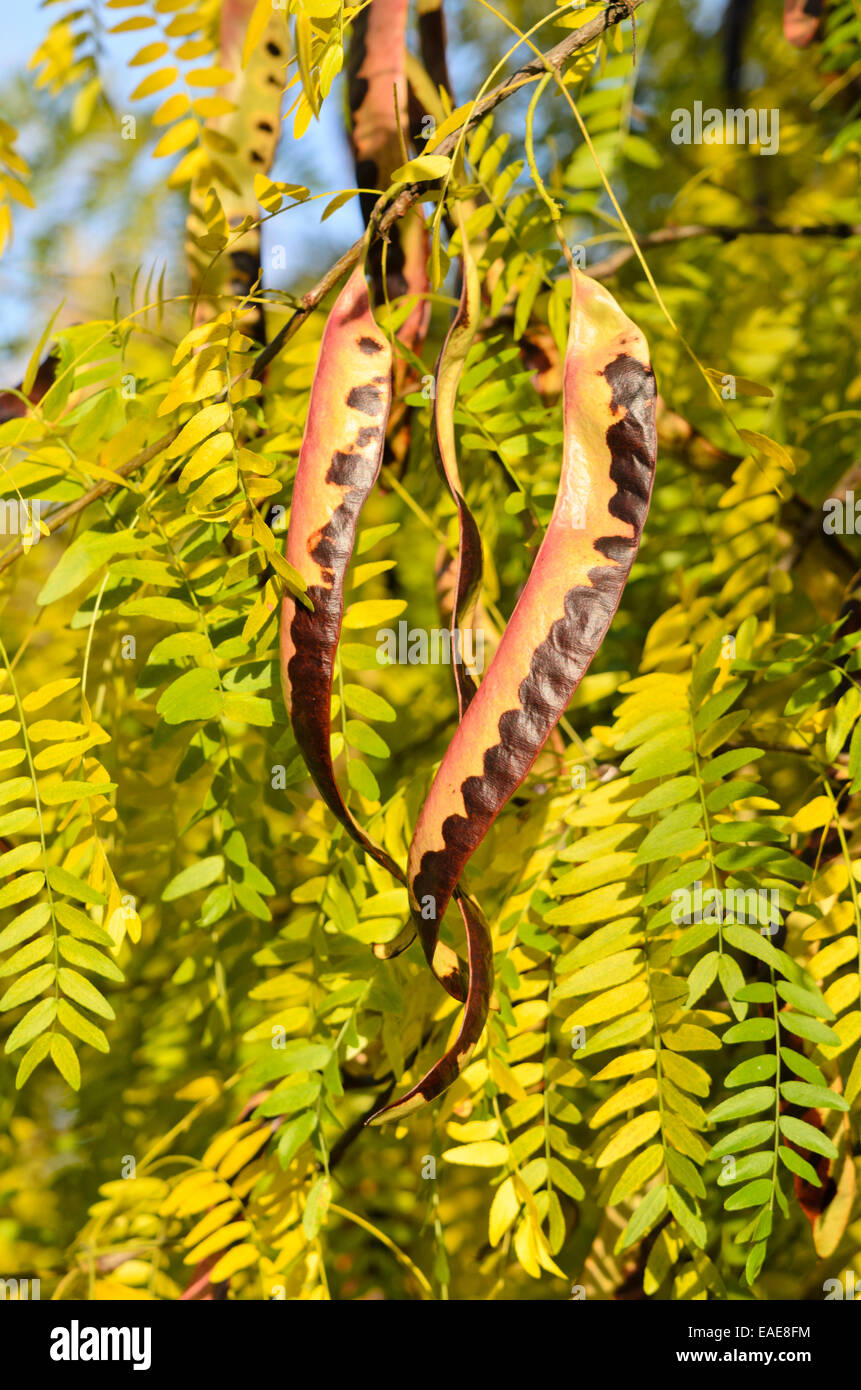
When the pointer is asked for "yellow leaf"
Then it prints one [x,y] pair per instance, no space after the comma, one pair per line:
[203,1088]
[627,1065]
[628,1098]
[209,77]
[610,1004]
[154,83]
[180,135]
[503,1211]
[816,813]
[205,422]
[256,28]
[243,1152]
[487,1154]
[240,1257]
[65,1059]
[212,1221]
[370,612]
[226,1235]
[639,1170]
[212,106]
[37,698]
[171,109]
[629,1137]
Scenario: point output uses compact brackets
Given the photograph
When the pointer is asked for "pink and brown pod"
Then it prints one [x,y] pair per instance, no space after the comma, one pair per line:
[559,622]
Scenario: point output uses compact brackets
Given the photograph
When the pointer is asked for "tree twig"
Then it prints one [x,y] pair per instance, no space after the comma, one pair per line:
[64,514]
[386,214]
[666,236]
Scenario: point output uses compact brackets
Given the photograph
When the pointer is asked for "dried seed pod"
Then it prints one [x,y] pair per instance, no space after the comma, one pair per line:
[449,370]
[566,606]
[339,462]
[478,1001]
[379,128]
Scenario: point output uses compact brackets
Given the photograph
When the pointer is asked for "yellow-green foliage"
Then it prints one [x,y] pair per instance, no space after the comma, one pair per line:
[194,1024]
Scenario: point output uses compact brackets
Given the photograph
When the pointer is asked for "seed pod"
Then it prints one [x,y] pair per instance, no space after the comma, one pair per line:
[447,967]
[478,999]
[248,137]
[566,606]
[379,130]
[449,370]
[801,21]
[339,461]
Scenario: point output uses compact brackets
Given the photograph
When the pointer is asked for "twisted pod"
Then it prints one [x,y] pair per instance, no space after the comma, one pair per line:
[559,622]
[556,628]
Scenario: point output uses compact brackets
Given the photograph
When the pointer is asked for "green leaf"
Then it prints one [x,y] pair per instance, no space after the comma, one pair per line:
[802,1066]
[27,924]
[690,1223]
[195,877]
[73,887]
[745,1103]
[751,1030]
[82,1028]
[83,954]
[809,1028]
[646,1215]
[28,955]
[31,1059]
[751,1166]
[809,1000]
[293,1136]
[34,1022]
[818,1097]
[83,557]
[754,1194]
[747,1137]
[798,1165]
[27,987]
[165,610]
[23,887]
[753,1070]
[193,695]
[84,993]
[673,835]
[366,702]
[729,762]
[665,795]
[64,1058]
[801,1133]
[80,925]
[422,169]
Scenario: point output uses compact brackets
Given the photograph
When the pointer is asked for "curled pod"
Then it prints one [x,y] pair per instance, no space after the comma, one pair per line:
[339,462]
[379,131]
[467,565]
[566,606]
[449,370]
[801,21]
[478,1001]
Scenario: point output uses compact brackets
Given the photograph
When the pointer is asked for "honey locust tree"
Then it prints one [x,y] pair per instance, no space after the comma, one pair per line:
[630,1046]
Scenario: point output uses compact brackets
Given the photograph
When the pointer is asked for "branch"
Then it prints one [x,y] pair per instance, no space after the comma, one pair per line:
[64,514]
[384,216]
[666,236]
